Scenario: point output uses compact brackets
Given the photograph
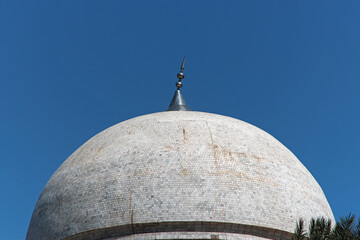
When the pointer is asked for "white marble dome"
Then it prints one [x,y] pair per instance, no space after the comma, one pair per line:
[178,175]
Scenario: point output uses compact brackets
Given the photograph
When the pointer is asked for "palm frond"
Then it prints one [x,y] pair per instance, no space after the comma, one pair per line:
[300,233]
[345,228]
[357,230]
[319,229]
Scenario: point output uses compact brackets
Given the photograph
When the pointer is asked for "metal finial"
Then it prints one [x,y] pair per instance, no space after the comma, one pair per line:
[178,102]
[181,75]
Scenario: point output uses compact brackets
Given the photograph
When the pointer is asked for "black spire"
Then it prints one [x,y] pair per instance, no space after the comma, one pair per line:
[178,102]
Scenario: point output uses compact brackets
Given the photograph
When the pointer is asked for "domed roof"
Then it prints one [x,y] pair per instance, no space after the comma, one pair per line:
[177,171]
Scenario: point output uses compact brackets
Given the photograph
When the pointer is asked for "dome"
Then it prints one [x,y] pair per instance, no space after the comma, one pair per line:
[178,175]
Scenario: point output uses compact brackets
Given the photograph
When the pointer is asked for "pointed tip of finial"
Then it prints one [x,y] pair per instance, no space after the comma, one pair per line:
[182,65]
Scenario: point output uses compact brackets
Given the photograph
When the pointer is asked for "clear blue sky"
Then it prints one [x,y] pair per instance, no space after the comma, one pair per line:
[70,69]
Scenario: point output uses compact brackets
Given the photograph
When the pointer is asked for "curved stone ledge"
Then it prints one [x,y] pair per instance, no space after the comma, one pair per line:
[165,227]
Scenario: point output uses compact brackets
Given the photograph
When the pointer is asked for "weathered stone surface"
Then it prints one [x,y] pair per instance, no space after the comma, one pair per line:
[178,167]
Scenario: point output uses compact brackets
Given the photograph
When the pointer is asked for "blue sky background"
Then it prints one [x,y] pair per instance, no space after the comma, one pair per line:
[70,69]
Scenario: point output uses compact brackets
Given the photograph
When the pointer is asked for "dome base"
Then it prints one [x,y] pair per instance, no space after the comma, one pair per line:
[183,230]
